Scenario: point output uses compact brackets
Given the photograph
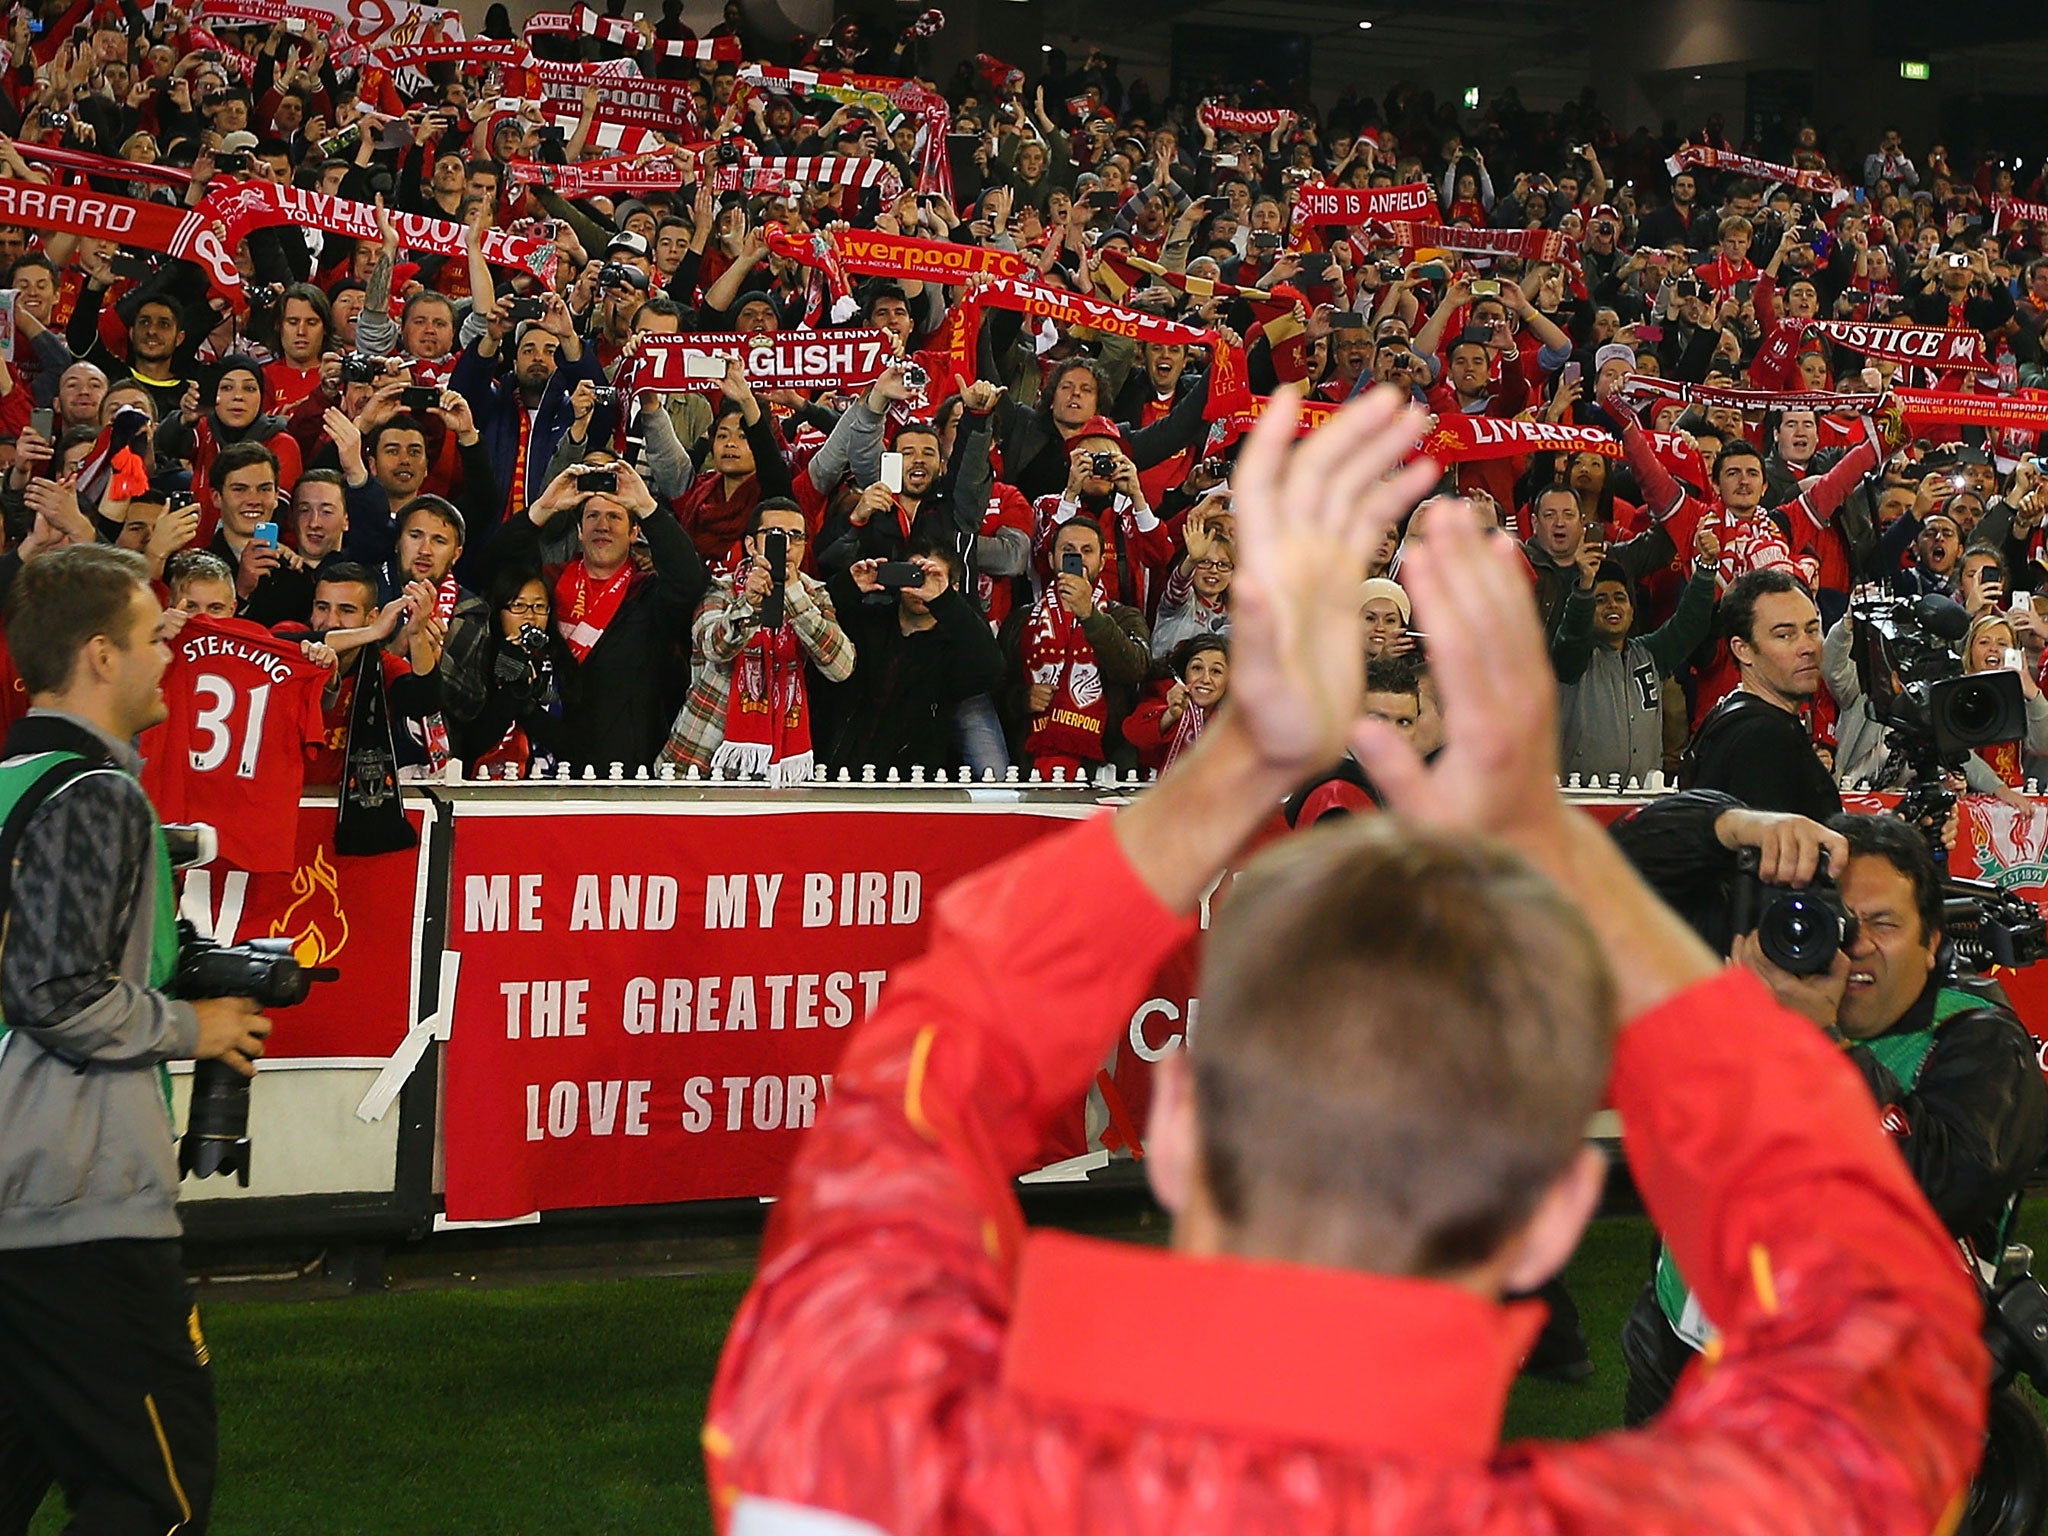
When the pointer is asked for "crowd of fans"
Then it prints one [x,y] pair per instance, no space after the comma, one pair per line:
[1013,547]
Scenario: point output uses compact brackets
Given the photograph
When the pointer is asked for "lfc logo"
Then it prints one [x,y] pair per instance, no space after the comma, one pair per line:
[2011,844]
[314,922]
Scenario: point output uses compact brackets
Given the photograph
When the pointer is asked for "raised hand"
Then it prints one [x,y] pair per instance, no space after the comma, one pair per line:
[1497,772]
[1308,515]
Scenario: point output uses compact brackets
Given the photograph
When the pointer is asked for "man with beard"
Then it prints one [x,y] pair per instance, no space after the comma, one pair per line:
[936,507]
[506,400]
[156,341]
[1754,744]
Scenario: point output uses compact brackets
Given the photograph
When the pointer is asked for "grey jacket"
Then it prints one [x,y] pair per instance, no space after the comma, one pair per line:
[87,1149]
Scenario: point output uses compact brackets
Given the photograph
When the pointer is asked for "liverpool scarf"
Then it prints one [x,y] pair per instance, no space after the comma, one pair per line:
[1187,730]
[1924,346]
[482,50]
[767,711]
[2015,210]
[841,360]
[187,234]
[874,253]
[371,817]
[1743,165]
[1529,244]
[603,178]
[1058,654]
[244,205]
[1257,120]
[772,173]
[585,607]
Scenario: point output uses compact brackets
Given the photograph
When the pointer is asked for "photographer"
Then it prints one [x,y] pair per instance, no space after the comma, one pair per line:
[1753,744]
[758,632]
[618,620]
[919,650]
[1951,1069]
[105,1386]
[520,723]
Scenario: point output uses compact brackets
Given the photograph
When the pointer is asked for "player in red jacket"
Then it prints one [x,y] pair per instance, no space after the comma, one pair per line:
[1380,1132]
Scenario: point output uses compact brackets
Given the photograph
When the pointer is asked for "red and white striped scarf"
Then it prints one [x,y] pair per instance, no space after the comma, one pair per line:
[1727,160]
[771,173]
[621,33]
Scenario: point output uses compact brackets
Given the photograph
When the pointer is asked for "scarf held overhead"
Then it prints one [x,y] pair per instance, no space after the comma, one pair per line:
[244,205]
[186,234]
[1690,155]
[783,360]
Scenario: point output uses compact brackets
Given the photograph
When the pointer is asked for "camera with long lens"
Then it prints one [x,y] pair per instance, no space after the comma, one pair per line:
[216,1138]
[1799,928]
[1985,926]
[1934,714]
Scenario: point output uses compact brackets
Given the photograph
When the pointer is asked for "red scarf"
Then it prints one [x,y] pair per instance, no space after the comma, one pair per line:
[767,711]
[1056,652]
[584,610]
[1765,170]
[1185,730]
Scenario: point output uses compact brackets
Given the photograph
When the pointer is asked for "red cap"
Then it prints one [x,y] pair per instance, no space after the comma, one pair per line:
[1096,426]
[1606,211]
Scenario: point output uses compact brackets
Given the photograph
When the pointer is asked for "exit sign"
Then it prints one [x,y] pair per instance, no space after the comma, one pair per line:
[1913,69]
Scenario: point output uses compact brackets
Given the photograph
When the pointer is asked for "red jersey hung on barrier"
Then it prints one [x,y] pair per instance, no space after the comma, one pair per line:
[244,707]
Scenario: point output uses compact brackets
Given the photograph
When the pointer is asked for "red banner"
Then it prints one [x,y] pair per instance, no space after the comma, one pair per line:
[363,916]
[1316,205]
[651,1010]
[622,95]
[481,50]
[1927,346]
[783,360]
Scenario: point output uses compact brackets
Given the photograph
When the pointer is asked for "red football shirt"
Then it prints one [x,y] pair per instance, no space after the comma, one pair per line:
[244,708]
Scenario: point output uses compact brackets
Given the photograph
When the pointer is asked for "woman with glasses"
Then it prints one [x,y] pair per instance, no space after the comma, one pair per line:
[1197,595]
[519,728]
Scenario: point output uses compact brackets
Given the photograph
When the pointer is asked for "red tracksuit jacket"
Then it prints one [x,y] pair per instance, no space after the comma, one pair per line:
[909,1356]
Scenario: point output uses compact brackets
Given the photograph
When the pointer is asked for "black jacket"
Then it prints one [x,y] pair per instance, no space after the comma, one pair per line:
[618,702]
[896,710]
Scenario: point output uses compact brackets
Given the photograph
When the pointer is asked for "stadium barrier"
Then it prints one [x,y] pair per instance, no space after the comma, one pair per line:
[632,992]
